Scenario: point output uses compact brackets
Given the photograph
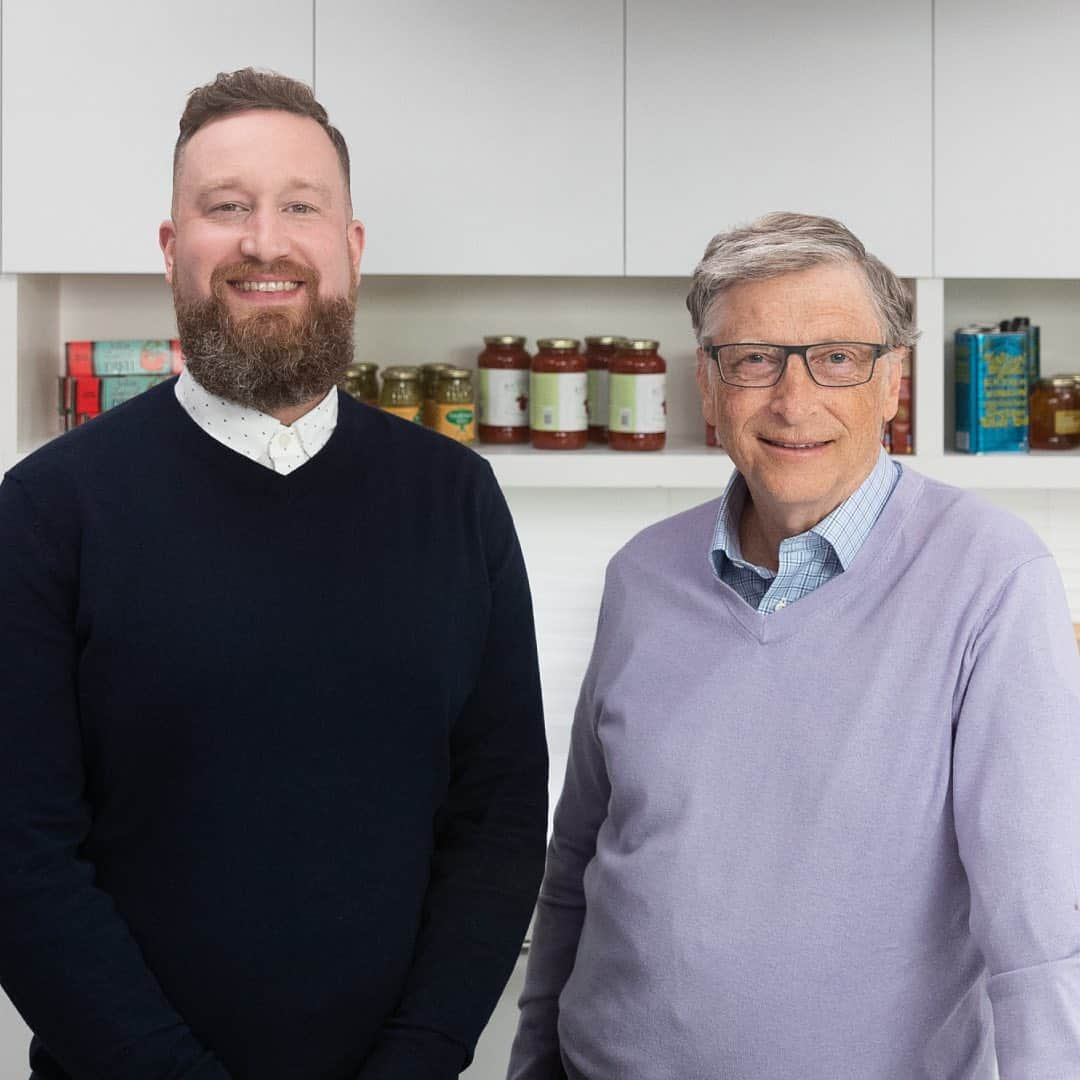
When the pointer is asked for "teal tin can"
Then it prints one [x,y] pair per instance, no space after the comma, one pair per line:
[992,370]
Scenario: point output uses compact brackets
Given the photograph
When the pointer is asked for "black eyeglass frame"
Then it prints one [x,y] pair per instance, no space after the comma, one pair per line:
[799,350]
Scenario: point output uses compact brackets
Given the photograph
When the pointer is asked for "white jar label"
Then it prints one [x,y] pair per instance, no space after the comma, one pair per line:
[638,406]
[598,397]
[504,397]
[557,401]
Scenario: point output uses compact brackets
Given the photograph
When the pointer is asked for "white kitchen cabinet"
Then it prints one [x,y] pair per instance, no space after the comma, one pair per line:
[733,110]
[486,137]
[1006,101]
[92,94]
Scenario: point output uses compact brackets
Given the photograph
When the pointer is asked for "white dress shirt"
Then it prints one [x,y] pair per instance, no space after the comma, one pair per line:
[262,438]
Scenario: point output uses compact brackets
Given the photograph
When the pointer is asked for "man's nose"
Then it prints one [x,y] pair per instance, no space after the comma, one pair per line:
[796,394]
[265,237]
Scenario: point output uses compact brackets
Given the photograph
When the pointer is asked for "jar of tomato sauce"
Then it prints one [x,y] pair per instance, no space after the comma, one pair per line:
[599,352]
[637,413]
[503,397]
[558,384]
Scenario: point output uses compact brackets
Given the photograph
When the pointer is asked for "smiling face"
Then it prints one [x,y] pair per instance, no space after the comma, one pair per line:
[255,189]
[263,258]
[802,448]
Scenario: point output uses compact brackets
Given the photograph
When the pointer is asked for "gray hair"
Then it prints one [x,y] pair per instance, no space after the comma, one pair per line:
[784,242]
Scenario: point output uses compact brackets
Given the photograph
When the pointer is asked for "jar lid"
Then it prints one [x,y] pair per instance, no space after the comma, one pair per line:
[557,343]
[435,367]
[642,345]
[401,372]
[1061,379]
[455,373]
[362,367]
[504,339]
[607,339]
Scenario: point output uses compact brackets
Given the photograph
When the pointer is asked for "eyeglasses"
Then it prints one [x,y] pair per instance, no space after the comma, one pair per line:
[829,363]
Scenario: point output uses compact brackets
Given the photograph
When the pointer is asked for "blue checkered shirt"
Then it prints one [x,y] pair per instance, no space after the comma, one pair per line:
[809,559]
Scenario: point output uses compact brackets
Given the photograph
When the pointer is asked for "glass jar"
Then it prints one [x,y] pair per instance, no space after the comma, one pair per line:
[400,393]
[637,413]
[454,413]
[599,352]
[362,382]
[558,385]
[429,376]
[1055,413]
[503,375]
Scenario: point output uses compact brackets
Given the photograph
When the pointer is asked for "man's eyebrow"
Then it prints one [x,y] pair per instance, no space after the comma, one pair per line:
[296,184]
[320,189]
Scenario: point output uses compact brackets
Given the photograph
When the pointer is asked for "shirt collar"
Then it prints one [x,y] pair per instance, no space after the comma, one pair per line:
[253,433]
[844,529]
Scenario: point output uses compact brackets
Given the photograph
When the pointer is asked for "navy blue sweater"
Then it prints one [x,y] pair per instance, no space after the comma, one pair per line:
[273,777]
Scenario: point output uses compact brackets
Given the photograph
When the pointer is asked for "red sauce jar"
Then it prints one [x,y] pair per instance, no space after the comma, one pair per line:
[599,352]
[558,386]
[503,390]
[637,414]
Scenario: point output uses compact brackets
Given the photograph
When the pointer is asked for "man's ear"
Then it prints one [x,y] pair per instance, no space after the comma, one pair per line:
[167,240]
[355,237]
[892,385]
[704,382]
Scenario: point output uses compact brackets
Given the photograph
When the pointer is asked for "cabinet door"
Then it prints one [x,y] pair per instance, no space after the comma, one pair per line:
[1006,102]
[92,94]
[486,137]
[734,110]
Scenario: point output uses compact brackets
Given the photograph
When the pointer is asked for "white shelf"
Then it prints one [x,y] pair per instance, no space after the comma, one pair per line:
[681,464]
[685,463]
[1045,469]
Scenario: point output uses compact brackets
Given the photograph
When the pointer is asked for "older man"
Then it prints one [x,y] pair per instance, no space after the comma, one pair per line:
[820,813]
[273,788]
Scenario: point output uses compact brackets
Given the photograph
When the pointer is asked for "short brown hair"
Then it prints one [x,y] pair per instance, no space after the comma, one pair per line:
[249,88]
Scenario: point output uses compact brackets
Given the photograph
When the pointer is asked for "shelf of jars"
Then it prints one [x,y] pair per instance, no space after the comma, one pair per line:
[687,463]
[38,313]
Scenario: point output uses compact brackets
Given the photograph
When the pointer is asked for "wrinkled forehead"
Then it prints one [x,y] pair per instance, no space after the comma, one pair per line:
[831,302]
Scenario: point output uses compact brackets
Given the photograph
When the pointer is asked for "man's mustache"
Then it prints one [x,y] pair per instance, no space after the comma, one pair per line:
[282,269]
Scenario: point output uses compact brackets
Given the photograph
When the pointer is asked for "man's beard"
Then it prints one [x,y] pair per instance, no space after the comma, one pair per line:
[271,358]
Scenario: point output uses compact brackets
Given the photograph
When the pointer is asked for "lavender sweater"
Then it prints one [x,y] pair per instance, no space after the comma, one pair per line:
[836,842]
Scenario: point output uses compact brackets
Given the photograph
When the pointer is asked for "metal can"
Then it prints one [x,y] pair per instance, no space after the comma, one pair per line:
[991,390]
[362,382]
[454,410]
[400,393]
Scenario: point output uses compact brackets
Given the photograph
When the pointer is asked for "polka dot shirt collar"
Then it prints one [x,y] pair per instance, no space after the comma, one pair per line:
[262,438]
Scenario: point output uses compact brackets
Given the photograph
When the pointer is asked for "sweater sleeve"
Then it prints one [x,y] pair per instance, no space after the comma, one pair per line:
[489,838]
[560,912]
[67,959]
[1016,776]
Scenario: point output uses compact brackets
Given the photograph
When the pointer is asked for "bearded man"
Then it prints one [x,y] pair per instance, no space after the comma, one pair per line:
[273,799]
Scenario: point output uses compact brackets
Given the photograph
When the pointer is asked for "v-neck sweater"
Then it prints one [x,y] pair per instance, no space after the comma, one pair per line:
[833,842]
[273,795]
